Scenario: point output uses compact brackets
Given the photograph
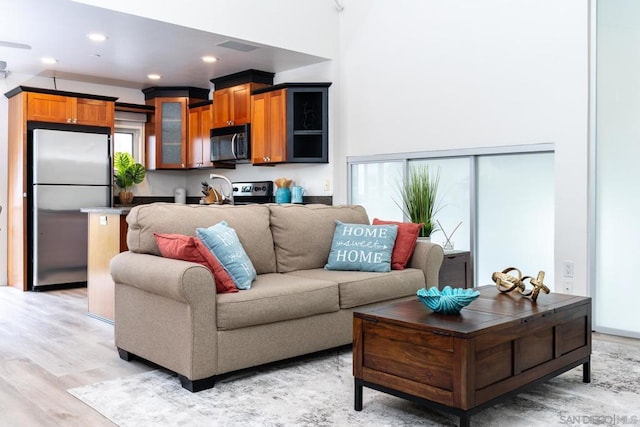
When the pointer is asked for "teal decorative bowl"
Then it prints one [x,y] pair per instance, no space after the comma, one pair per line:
[448,300]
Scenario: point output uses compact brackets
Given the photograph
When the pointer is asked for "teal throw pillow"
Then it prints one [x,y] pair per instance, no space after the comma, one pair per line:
[223,242]
[362,247]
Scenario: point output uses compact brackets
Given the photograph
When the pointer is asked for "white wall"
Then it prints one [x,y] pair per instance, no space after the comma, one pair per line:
[437,74]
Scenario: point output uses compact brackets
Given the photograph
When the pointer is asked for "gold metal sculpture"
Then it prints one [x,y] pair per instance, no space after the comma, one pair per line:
[506,282]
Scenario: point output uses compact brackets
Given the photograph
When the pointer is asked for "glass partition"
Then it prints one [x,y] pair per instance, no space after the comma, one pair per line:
[375,186]
[454,198]
[502,204]
[515,209]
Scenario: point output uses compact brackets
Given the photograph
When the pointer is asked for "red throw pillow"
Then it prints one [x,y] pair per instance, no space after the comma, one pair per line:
[405,242]
[188,248]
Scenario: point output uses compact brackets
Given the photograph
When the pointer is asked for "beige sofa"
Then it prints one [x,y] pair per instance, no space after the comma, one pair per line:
[167,311]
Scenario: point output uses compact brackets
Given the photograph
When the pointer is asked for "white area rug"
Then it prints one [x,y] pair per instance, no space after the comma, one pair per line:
[318,391]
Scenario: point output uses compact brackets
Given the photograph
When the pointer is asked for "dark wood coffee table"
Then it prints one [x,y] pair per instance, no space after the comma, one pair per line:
[461,364]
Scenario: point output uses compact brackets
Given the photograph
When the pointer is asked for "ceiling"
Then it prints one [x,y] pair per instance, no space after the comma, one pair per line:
[135,47]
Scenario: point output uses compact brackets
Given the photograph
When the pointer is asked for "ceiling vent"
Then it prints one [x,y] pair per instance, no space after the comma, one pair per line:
[234,45]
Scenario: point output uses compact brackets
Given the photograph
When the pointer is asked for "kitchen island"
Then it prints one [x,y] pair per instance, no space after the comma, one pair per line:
[107,238]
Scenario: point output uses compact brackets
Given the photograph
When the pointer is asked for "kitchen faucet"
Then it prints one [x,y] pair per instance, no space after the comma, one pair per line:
[228,181]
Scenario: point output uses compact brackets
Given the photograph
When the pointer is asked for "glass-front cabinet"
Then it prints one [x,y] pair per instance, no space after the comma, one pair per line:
[167,140]
[171,148]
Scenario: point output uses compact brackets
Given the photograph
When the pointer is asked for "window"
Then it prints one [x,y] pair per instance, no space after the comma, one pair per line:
[123,141]
[503,196]
[129,135]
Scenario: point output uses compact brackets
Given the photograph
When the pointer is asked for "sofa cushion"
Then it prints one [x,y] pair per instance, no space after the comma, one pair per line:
[276,297]
[302,234]
[362,247]
[359,287]
[189,248]
[251,223]
[223,243]
[405,242]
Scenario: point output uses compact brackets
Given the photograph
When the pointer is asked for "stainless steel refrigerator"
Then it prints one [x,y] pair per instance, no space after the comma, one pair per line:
[71,170]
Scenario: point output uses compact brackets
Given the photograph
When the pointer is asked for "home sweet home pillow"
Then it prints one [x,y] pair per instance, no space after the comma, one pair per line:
[362,247]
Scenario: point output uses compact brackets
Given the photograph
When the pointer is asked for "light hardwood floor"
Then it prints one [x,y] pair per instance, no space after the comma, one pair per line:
[49,344]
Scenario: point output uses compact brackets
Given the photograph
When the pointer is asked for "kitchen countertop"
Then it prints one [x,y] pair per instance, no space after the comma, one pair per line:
[117,210]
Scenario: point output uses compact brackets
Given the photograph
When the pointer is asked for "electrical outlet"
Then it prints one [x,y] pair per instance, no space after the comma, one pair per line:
[567,286]
[567,269]
[327,185]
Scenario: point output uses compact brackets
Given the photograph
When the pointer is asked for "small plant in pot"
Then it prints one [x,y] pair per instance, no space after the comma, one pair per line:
[127,173]
[419,198]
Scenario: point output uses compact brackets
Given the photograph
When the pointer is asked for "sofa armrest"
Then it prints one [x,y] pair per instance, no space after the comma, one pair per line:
[165,312]
[183,281]
[427,257]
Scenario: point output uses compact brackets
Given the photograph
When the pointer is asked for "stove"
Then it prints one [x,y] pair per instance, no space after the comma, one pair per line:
[249,192]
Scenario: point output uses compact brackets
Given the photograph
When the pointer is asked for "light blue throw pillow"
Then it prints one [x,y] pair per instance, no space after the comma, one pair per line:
[362,247]
[223,242]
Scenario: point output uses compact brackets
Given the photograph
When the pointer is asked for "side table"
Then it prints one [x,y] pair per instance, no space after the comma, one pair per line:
[456,270]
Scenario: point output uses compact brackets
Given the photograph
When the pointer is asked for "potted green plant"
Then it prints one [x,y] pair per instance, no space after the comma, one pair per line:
[420,198]
[127,173]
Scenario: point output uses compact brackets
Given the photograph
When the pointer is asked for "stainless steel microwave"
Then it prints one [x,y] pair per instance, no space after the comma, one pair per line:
[231,143]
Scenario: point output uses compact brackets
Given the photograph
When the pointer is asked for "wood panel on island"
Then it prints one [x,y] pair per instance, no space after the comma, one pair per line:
[107,238]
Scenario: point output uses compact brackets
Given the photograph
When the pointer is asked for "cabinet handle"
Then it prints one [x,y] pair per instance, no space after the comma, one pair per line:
[75,120]
[68,119]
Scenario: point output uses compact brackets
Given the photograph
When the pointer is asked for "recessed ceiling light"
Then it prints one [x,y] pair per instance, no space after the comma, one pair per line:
[97,37]
[49,61]
[209,58]
[154,76]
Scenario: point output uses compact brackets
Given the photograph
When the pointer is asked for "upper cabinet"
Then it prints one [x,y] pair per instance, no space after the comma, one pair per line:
[268,127]
[232,96]
[290,123]
[44,105]
[232,106]
[167,142]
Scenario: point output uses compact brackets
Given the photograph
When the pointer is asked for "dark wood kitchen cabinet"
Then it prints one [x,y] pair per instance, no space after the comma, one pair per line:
[268,127]
[289,123]
[199,148]
[44,107]
[232,96]
[167,140]
[26,106]
[232,106]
